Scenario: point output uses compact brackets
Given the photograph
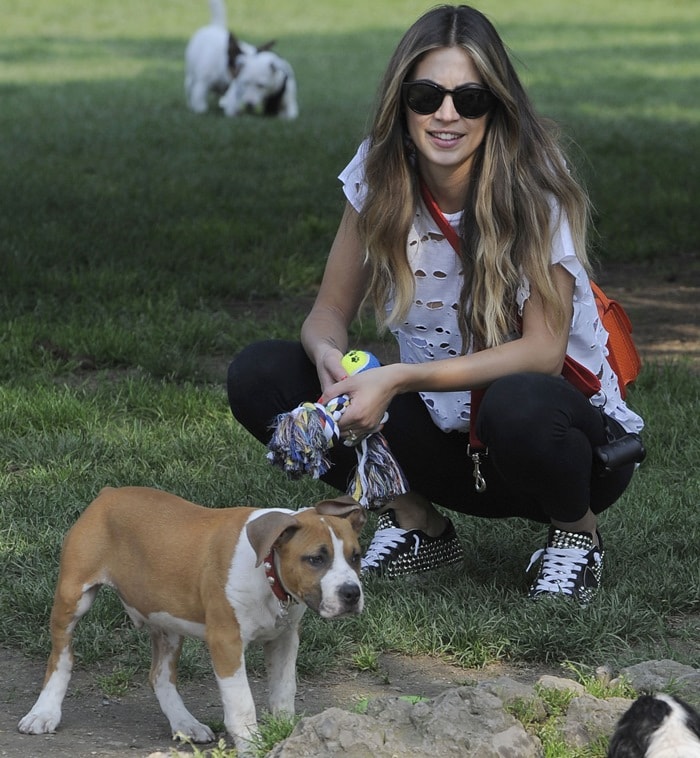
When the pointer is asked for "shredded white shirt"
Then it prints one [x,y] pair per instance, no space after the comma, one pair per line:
[431,332]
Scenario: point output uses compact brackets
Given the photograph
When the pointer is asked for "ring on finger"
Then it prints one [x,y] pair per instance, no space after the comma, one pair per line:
[350,438]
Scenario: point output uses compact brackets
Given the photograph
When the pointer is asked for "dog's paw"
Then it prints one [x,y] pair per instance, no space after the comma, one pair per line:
[39,722]
[193,731]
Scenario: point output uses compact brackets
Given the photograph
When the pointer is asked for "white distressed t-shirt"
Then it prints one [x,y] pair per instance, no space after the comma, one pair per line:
[431,332]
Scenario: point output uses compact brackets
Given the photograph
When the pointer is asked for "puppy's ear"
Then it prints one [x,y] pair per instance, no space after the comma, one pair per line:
[344,507]
[267,46]
[264,531]
[234,49]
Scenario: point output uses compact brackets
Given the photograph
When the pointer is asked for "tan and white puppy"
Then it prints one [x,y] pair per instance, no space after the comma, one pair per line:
[248,79]
[229,576]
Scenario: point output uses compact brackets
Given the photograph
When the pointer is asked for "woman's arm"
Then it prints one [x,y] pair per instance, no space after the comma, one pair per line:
[324,333]
[539,350]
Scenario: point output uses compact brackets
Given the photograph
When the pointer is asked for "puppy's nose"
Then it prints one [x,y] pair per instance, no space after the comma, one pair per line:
[349,593]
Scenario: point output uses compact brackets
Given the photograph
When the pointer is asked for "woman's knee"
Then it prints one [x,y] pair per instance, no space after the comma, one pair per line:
[257,372]
[244,373]
[268,378]
[257,363]
[515,405]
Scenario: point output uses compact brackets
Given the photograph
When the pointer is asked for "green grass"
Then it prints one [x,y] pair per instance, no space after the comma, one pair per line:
[141,246]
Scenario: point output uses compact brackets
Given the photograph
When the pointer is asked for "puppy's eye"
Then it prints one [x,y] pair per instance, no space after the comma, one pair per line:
[355,558]
[316,560]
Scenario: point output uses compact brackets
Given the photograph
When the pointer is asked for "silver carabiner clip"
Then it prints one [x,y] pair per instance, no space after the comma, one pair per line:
[479,481]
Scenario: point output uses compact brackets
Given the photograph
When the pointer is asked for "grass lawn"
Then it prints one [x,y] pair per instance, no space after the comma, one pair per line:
[138,241]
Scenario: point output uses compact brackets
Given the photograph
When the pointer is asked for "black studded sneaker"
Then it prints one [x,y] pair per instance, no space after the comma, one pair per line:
[570,564]
[396,552]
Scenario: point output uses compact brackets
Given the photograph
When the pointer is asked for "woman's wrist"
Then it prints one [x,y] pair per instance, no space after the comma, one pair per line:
[403,377]
[431,376]
[325,350]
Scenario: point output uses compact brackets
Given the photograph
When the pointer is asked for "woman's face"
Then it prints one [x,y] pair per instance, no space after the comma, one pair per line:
[444,140]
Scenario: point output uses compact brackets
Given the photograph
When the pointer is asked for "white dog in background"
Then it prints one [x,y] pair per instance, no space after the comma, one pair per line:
[249,79]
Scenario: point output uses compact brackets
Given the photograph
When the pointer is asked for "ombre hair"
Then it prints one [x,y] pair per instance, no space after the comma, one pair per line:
[518,176]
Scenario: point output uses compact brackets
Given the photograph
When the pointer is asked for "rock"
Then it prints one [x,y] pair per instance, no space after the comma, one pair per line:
[560,683]
[466,721]
[475,721]
[654,676]
[604,674]
[512,692]
[588,718]
[335,732]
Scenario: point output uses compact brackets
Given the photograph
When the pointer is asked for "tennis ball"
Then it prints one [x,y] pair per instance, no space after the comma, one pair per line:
[358,360]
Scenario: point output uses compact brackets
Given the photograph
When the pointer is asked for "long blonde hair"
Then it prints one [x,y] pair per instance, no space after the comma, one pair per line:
[519,174]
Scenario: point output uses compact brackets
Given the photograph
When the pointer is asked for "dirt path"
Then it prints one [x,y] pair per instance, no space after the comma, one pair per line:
[96,726]
[663,301]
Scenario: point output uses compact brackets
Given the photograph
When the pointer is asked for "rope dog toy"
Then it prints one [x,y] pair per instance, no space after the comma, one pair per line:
[303,437]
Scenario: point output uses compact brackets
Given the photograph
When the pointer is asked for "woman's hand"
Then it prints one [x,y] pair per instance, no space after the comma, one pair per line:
[370,394]
[329,368]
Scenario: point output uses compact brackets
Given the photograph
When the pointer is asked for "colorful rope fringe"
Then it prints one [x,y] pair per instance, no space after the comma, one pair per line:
[302,439]
[378,477]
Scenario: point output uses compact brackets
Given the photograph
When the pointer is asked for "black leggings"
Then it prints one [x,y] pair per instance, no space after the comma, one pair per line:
[540,432]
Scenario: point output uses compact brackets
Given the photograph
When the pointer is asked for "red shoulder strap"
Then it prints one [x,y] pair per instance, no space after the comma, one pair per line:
[439,217]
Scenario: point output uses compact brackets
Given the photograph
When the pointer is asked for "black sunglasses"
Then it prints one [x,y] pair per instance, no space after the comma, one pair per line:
[470,100]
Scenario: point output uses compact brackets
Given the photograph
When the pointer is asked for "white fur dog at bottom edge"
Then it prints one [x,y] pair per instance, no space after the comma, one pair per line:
[657,725]
[229,576]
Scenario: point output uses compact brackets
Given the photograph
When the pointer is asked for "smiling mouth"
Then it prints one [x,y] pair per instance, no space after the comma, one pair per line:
[446,136]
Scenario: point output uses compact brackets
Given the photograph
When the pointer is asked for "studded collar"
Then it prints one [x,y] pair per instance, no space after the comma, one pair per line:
[274,580]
